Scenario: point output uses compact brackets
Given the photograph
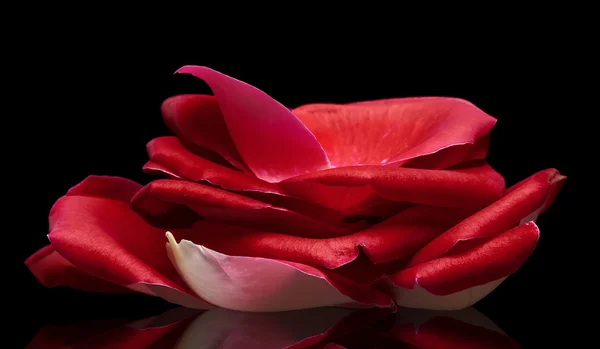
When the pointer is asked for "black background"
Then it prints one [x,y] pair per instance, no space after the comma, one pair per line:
[90,108]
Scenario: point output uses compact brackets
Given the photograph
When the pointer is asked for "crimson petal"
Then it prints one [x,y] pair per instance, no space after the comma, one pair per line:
[398,129]
[168,199]
[346,188]
[490,261]
[523,202]
[255,122]
[93,228]
[51,270]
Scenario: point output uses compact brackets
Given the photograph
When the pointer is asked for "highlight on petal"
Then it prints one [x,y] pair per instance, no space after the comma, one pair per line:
[260,284]
[460,280]
[398,129]
[93,229]
[255,122]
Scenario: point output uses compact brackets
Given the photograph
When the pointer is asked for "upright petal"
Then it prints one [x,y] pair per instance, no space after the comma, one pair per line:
[272,142]
[393,130]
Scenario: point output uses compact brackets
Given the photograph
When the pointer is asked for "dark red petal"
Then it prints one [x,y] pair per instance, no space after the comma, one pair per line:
[393,130]
[393,239]
[101,236]
[273,142]
[52,270]
[527,198]
[197,120]
[451,156]
[473,186]
[493,260]
[170,154]
[164,198]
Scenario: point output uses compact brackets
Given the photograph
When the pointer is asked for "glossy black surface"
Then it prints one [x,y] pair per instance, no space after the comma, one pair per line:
[102,99]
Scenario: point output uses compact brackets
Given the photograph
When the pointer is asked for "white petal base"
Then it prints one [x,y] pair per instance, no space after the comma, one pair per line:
[249,283]
[420,298]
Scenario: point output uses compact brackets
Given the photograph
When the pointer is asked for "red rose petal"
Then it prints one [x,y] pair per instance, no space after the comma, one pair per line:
[255,122]
[197,119]
[102,237]
[351,187]
[52,270]
[393,239]
[172,156]
[160,197]
[398,129]
[490,261]
[526,198]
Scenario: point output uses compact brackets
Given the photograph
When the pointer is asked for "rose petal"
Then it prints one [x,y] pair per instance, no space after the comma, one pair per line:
[102,237]
[255,122]
[165,198]
[528,197]
[52,270]
[350,187]
[393,239]
[396,129]
[197,119]
[259,284]
[460,280]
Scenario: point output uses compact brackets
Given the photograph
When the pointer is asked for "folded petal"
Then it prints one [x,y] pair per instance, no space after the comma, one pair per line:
[393,130]
[260,284]
[522,203]
[172,157]
[52,270]
[474,184]
[96,231]
[167,200]
[394,239]
[197,119]
[460,280]
[255,122]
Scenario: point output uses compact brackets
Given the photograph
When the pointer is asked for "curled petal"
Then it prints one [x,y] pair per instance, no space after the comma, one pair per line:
[398,129]
[197,120]
[164,198]
[95,231]
[460,280]
[393,239]
[255,122]
[474,185]
[260,284]
[522,203]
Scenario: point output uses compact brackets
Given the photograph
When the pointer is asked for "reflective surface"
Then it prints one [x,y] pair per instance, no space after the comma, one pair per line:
[315,328]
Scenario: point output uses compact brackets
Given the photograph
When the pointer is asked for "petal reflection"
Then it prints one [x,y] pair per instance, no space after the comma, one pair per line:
[327,327]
